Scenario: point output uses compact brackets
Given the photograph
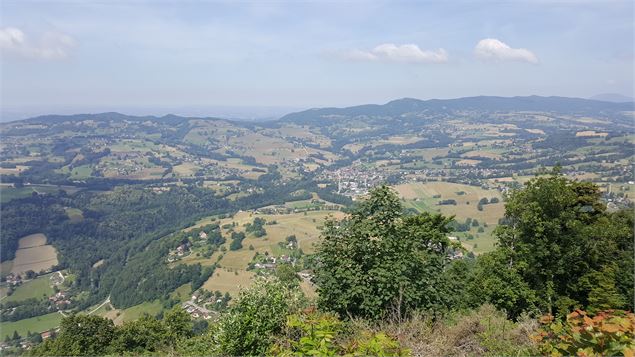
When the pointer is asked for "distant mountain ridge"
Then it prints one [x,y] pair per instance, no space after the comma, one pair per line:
[482,103]
[395,108]
[108,116]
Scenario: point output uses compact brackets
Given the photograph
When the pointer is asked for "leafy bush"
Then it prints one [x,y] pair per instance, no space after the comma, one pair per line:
[314,333]
[608,333]
[80,335]
[84,335]
[378,344]
[258,314]
[309,334]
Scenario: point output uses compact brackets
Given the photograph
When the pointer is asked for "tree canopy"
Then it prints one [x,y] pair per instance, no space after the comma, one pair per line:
[558,248]
[379,258]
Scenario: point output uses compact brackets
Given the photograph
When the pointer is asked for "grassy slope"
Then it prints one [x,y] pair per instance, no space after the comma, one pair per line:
[34,324]
[36,288]
[420,197]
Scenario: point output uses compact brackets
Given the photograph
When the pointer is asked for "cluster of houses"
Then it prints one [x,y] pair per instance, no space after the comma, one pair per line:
[196,311]
[13,279]
[60,300]
[355,181]
[128,163]
[27,343]
[180,251]
[282,209]
[23,344]
[272,262]
[463,172]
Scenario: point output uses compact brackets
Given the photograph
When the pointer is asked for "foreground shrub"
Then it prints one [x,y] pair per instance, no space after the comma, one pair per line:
[247,329]
[608,333]
[80,335]
[86,335]
[313,333]
[310,333]
[481,332]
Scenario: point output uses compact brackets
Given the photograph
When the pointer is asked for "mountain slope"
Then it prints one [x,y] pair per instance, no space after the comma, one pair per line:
[407,106]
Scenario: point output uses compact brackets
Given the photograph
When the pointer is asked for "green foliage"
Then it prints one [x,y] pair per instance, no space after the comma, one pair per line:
[455,284]
[311,334]
[204,345]
[494,281]
[178,325]
[249,326]
[256,228]
[287,274]
[378,344]
[80,335]
[322,334]
[556,250]
[603,293]
[608,333]
[144,335]
[237,240]
[378,258]
[83,335]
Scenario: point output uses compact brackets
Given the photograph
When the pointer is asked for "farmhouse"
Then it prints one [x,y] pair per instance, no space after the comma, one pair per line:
[14,279]
[196,311]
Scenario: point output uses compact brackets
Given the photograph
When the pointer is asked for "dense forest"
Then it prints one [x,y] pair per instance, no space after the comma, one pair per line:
[558,283]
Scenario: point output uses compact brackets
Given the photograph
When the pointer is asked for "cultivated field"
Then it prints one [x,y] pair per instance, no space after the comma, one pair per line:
[33,254]
[227,281]
[421,197]
[135,312]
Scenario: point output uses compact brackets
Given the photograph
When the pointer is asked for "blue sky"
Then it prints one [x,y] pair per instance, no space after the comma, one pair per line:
[110,54]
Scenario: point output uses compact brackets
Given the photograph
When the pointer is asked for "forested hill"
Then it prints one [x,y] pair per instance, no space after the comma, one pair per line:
[410,106]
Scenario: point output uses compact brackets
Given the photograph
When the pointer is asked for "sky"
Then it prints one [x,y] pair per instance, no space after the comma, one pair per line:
[271,56]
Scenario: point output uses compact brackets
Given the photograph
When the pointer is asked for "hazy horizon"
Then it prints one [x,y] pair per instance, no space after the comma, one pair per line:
[239,113]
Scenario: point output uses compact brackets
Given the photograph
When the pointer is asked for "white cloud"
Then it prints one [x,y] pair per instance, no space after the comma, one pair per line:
[50,46]
[389,52]
[493,49]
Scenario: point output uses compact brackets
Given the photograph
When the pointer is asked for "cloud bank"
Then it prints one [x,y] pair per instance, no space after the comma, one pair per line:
[390,52]
[493,49]
[50,46]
